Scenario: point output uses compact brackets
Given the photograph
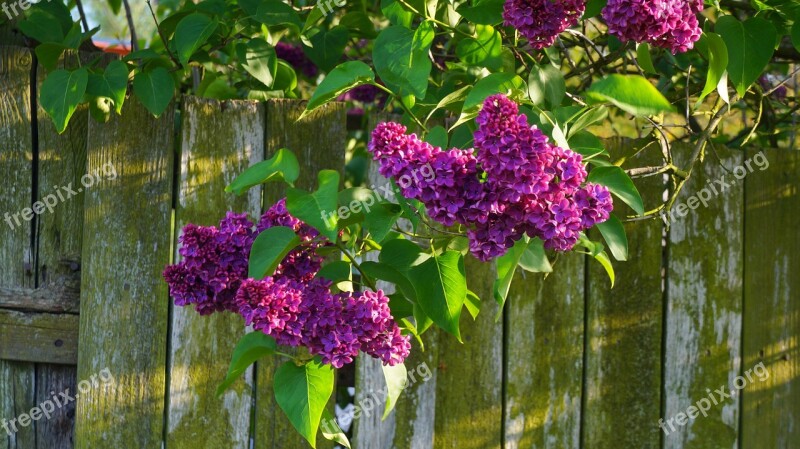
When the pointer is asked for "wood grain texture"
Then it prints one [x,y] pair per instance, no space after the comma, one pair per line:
[17,380]
[219,141]
[704,309]
[469,382]
[621,402]
[544,356]
[38,337]
[411,424]
[771,408]
[319,142]
[62,166]
[124,301]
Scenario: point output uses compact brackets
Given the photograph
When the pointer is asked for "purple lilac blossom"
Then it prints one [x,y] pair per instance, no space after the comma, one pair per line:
[669,24]
[514,183]
[541,21]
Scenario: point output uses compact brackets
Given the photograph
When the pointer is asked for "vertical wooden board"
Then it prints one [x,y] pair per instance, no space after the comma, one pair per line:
[704,308]
[62,166]
[411,423]
[219,141]
[771,408]
[57,431]
[319,142]
[544,356]
[469,382]
[124,301]
[622,377]
[17,382]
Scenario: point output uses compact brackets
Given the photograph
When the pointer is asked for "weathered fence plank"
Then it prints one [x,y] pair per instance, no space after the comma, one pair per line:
[61,168]
[704,290]
[38,337]
[771,409]
[544,356]
[17,380]
[621,403]
[319,143]
[469,382]
[124,301]
[219,141]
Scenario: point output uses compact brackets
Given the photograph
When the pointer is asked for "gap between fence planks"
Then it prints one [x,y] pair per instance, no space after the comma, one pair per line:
[219,140]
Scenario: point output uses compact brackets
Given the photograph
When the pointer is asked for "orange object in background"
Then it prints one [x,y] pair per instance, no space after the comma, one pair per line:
[119,48]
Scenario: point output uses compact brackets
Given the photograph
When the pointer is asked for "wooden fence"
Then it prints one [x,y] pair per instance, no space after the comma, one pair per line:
[572,364]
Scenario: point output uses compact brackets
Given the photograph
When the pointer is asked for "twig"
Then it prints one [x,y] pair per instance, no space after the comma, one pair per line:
[129,16]
[163,38]
[84,22]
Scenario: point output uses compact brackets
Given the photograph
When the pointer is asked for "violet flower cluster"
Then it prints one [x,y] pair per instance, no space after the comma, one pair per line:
[292,306]
[541,21]
[669,24]
[294,55]
[513,183]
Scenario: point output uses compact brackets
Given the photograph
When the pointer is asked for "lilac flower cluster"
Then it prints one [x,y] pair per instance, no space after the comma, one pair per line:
[292,305]
[670,24]
[768,82]
[516,183]
[294,55]
[541,21]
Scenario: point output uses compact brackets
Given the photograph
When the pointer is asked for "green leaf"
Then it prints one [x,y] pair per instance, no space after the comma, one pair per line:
[60,94]
[282,166]
[644,58]
[251,347]
[437,136]
[49,54]
[484,50]
[285,78]
[396,13]
[154,89]
[593,8]
[534,258]
[327,47]
[42,26]
[485,12]
[192,33]
[340,80]
[331,430]
[631,93]
[336,271]
[389,273]
[796,33]
[473,304]
[258,58]
[276,12]
[618,183]
[587,144]
[445,286]
[112,84]
[614,233]
[750,47]
[302,392]
[359,24]
[269,249]
[401,59]
[100,109]
[602,257]
[506,267]
[318,209]
[380,218]
[593,115]
[717,62]
[495,83]
[546,83]
[396,381]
